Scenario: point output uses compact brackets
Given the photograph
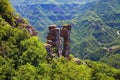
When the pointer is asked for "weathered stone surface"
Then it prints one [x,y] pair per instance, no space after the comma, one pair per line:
[31,30]
[19,20]
[21,23]
[49,50]
[65,33]
[54,38]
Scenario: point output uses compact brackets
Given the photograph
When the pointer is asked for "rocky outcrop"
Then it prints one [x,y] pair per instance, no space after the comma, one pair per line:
[54,41]
[22,24]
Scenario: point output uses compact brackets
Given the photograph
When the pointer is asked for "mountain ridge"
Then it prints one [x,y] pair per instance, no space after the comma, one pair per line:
[33,2]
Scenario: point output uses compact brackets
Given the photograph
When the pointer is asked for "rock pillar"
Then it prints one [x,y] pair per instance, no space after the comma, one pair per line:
[54,40]
[65,33]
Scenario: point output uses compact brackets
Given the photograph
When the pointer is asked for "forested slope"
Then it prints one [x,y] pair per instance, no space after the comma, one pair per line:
[23,56]
[97,31]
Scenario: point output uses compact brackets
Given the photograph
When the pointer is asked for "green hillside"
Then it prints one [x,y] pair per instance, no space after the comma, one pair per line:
[96,36]
[23,57]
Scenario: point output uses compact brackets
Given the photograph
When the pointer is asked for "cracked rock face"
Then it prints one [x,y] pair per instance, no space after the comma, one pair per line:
[54,38]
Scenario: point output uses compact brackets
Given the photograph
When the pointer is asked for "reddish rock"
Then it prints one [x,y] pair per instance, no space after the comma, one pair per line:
[65,33]
[21,23]
[54,38]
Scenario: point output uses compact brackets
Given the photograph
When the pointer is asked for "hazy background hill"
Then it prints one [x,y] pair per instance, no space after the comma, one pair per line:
[96,25]
[42,13]
[97,32]
[31,2]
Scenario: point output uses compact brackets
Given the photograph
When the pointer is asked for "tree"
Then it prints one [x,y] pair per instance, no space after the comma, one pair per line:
[6,69]
[6,11]
[25,72]
[32,51]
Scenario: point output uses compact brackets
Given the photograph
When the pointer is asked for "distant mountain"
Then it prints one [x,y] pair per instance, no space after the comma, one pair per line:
[42,13]
[97,31]
[32,2]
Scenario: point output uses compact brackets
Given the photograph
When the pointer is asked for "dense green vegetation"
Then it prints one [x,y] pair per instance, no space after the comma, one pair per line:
[23,57]
[99,27]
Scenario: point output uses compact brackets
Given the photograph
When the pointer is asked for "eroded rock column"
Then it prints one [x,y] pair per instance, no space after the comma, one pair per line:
[65,33]
[54,40]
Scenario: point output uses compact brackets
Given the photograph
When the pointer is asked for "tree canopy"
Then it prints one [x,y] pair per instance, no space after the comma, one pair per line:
[23,57]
